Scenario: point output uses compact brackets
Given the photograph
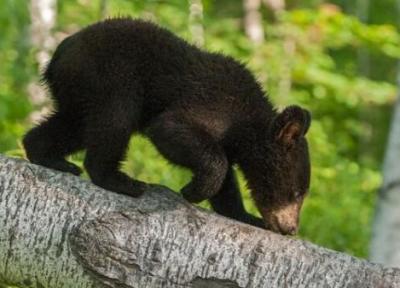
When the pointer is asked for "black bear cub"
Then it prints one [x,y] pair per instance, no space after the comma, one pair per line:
[202,110]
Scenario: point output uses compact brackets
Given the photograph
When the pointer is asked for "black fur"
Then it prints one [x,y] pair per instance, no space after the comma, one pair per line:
[202,110]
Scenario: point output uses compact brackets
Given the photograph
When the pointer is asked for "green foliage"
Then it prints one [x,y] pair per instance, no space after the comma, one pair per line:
[16,68]
[309,58]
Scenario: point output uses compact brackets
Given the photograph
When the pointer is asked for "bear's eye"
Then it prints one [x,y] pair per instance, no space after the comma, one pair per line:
[298,194]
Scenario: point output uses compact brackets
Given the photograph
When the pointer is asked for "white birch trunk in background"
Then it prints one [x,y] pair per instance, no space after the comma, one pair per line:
[58,230]
[275,5]
[363,65]
[385,243]
[196,22]
[253,21]
[103,9]
[43,19]
[285,73]
[289,49]
[363,61]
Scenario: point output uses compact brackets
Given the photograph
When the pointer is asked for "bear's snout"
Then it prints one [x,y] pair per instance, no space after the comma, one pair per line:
[283,220]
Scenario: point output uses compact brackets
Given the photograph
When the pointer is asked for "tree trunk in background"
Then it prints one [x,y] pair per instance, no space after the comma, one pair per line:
[196,22]
[289,48]
[385,243]
[61,231]
[275,5]
[43,16]
[285,73]
[103,9]
[363,65]
[253,21]
[363,61]
[43,19]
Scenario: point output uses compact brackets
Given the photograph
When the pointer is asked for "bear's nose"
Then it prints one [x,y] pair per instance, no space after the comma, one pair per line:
[288,229]
[291,230]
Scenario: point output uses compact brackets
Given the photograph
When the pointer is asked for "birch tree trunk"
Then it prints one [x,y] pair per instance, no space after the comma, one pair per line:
[253,17]
[43,19]
[196,22]
[363,59]
[103,7]
[253,21]
[385,243]
[275,5]
[61,231]
[363,64]
[289,48]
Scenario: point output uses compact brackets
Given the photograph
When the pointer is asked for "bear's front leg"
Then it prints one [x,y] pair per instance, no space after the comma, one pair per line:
[185,144]
[208,175]
[228,202]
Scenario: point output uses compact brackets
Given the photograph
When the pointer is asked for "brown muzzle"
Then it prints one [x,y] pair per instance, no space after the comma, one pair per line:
[283,220]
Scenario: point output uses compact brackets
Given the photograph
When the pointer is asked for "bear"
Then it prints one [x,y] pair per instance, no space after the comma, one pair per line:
[202,110]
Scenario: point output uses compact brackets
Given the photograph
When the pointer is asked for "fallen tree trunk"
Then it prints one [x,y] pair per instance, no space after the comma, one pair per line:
[58,230]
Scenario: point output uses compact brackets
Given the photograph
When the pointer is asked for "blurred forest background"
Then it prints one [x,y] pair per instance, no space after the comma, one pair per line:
[336,58]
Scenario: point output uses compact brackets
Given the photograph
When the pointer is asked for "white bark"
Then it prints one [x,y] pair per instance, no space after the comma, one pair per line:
[363,59]
[43,19]
[385,243]
[253,21]
[43,16]
[363,65]
[196,22]
[275,5]
[253,18]
[61,231]
[103,9]
[285,73]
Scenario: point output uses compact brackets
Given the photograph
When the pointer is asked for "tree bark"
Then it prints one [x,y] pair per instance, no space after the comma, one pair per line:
[253,16]
[385,243]
[196,22]
[253,21]
[103,9]
[43,19]
[275,5]
[363,59]
[61,231]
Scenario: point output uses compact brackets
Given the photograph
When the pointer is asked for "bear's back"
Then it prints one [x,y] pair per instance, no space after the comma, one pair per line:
[134,63]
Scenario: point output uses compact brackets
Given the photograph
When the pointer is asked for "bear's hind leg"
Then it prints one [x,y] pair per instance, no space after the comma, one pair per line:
[48,143]
[106,142]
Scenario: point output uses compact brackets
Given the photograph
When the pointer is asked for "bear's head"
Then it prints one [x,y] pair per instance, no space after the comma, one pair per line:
[278,171]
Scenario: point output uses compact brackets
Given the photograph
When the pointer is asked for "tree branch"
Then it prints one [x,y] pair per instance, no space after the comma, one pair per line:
[61,231]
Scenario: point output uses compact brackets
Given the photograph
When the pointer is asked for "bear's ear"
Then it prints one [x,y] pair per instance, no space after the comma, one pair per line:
[291,124]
